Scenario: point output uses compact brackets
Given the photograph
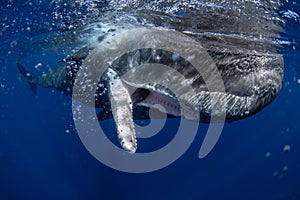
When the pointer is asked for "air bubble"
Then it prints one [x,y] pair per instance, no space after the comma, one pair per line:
[38,66]
[285,168]
[13,43]
[286,148]
[268,154]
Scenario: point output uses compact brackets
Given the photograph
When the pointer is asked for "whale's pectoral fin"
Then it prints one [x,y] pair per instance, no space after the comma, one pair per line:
[121,108]
[28,76]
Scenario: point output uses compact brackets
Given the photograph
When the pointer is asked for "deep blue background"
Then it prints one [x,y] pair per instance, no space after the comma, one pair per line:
[40,160]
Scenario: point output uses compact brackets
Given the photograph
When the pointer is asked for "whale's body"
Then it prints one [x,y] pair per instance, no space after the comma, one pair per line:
[239,40]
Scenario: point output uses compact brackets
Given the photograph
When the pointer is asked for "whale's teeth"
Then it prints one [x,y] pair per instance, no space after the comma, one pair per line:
[121,107]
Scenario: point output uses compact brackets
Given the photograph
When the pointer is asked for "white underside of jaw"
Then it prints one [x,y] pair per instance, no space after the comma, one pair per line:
[156,100]
[169,105]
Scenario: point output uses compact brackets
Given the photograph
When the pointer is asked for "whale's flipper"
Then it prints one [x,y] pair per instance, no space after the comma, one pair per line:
[28,76]
[121,109]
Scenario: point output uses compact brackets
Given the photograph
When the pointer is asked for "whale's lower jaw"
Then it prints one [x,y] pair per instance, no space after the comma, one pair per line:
[161,102]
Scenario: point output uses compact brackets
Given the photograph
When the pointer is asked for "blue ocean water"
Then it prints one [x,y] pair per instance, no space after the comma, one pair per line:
[42,157]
